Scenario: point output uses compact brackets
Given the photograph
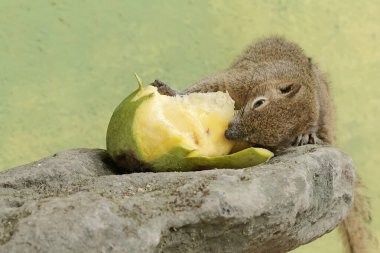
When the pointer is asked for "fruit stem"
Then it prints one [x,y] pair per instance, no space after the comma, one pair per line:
[139,81]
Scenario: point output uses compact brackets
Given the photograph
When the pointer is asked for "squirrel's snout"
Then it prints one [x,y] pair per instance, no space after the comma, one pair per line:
[231,133]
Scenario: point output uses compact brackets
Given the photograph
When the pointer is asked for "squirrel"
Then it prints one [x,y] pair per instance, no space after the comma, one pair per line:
[282,99]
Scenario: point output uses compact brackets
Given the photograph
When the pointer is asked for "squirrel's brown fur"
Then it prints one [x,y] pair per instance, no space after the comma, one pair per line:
[282,100]
[282,97]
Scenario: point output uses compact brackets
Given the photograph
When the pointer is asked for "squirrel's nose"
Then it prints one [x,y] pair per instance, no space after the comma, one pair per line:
[231,133]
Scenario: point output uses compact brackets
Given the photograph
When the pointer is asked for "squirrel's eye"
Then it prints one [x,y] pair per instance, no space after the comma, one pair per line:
[258,102]
[286,89]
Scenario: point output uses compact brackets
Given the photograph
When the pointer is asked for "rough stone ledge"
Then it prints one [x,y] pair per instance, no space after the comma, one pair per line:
[73,202]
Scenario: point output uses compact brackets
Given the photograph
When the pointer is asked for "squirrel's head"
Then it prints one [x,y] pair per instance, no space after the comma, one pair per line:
[280,104]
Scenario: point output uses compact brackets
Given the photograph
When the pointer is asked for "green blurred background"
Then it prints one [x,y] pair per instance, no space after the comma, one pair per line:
[65,65]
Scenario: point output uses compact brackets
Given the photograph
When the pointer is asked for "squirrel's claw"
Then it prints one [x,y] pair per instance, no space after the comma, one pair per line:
[314,139]
[304,139]
[163,88]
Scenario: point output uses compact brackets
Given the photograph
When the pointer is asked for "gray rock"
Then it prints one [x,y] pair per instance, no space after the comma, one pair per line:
[74,202]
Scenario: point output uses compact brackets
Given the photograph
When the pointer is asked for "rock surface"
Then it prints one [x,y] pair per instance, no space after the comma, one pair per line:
[74,202]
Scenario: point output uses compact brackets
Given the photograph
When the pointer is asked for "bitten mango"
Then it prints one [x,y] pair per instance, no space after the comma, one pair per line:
[179,133]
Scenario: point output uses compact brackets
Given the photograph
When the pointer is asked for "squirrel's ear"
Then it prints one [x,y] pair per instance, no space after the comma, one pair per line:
[290,89]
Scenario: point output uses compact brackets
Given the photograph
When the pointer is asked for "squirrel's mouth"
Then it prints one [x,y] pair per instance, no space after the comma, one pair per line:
[239,146]
[254,143]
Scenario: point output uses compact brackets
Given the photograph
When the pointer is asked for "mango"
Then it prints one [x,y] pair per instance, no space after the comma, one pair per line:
[180,133]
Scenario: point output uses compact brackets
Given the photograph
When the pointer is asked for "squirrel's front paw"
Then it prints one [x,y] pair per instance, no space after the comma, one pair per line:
[163,88]
[304,139]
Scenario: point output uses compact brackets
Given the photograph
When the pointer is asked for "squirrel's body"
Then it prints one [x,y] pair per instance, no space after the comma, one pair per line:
[282,99]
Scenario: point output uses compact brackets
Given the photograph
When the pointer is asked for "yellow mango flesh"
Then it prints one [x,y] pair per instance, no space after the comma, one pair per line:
[196,122]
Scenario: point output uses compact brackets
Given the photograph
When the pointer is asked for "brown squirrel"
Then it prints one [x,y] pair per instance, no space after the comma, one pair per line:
[282,100]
